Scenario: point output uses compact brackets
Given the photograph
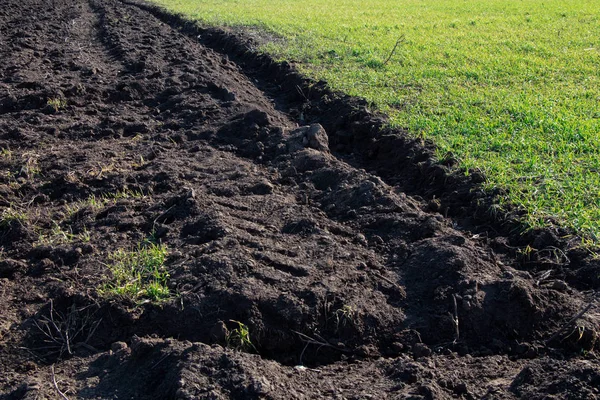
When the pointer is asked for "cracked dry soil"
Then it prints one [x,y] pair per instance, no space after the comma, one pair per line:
[359,266]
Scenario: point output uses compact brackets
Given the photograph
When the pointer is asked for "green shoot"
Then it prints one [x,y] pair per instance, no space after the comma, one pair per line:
[138,274]
[239,338]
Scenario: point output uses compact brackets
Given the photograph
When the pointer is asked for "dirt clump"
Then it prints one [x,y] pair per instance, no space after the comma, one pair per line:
[274,253]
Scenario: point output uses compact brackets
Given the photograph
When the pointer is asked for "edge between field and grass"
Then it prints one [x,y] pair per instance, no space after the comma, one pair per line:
[506,88]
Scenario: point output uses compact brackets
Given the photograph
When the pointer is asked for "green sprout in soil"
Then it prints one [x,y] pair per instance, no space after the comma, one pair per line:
[344,316]
[11,216]
[30,167]
[139,274]
[58,235]
[239,338]
[6,153]
[124,194]
[57,103]
[99,202]
[95,203]
[85,236]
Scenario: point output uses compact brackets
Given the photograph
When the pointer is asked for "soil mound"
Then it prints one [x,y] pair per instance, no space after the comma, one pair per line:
[307,252]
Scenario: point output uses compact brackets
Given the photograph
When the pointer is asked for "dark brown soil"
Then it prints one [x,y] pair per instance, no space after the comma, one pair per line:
[361,268]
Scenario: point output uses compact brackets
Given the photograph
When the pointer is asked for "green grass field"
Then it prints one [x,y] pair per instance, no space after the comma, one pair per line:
[509,87]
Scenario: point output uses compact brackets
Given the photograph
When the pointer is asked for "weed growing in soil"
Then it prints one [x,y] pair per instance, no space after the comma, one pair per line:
[99,202]
[139,274]
[62,332]
[124,194]
[239,338]
[99,170]
[85,236]
[30,166]
[6,153]
[12,216]
[344,316]
[92,201]
[57,103]
[58,235]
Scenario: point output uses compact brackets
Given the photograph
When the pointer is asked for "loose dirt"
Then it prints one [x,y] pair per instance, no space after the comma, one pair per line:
[360,268]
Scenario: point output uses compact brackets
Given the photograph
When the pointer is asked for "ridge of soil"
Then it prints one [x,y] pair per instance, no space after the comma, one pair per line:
[361,268]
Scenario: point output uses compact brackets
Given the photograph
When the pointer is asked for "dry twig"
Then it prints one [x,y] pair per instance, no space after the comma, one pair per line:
[565,326]
[401,39]
[318,341]
[455,319]
[391,282]
[61,331]
[62,395]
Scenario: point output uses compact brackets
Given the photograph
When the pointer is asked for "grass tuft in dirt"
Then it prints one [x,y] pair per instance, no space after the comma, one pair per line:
[58,235]
[239,338]
[138,275]
[57,103]
[6,153]
[101,201]
[11,216]
[62,333]
[344,316]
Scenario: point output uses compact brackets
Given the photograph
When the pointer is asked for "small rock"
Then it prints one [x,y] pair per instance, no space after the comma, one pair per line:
[317,138]
[261,385]
[367,351]
[41,199]
[377,240]
[219,332]
[461,388]
[87,249]
[309,160]
[262,188]
[9,267]
[359,238]
[421,350]
[397,347]
[117,347]
[559,285]
[312,136]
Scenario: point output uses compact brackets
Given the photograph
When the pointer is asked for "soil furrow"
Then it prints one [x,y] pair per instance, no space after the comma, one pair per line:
[289,270]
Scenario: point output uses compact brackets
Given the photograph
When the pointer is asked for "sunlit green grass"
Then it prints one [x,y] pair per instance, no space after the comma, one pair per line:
[509,87]
[138,274]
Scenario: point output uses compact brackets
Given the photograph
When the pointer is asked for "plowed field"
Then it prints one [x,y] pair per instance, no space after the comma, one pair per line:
[309,252]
